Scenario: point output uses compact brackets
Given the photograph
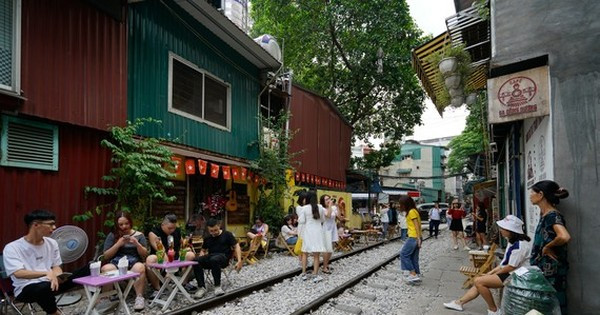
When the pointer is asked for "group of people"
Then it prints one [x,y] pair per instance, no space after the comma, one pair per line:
[34,264]
[548,251]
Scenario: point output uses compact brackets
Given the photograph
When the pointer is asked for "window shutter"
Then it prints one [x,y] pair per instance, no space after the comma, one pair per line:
[6,42]
[29,144]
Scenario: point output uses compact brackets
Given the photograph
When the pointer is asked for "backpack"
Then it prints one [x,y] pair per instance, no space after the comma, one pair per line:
[393,216]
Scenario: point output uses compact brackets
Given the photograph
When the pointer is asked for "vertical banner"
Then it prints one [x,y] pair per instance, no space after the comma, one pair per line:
[202,165]
[538,163]
[214,170]
[226,172]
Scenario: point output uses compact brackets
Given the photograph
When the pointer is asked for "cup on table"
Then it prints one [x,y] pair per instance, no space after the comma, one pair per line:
[95,269]
[160,256]
[122,270]
[182,253]
[486,247]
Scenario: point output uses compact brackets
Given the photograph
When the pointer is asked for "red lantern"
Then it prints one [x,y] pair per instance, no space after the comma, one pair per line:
[250,176]
[256,179]
[226,172]
[243,172]
[303,178]
[202,165]
[214,170]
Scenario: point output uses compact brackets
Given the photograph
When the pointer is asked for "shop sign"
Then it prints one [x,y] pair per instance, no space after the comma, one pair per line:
[519,95]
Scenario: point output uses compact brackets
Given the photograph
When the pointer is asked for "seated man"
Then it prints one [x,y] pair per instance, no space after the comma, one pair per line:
[161,233]
[33,262]
[219,245]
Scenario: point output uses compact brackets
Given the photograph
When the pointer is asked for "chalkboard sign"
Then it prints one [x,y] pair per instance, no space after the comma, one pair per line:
[177,207]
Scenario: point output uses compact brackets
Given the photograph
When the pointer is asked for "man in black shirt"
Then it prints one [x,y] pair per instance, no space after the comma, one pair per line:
[167,228]
[215,255]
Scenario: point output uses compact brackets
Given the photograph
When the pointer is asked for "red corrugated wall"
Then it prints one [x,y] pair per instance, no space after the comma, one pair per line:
[73,66]
[82,162]
[321,133]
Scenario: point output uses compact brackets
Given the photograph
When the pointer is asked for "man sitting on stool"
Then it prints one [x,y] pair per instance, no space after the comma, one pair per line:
[219,244]
[33,263]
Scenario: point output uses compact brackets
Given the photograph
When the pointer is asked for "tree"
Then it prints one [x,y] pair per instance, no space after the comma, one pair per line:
[473,139]
[139,175]
[356,53]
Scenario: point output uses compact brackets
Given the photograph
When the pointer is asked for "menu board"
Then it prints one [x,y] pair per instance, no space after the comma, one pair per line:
[242,214]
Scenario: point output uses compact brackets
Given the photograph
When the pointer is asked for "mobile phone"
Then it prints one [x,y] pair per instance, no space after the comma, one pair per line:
[126,237]
[64,276]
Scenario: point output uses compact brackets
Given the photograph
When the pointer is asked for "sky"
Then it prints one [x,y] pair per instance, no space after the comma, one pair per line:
[430,16]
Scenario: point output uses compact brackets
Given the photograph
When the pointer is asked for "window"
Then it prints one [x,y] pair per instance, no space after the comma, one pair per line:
[28,144]
[10,12]
[196,94]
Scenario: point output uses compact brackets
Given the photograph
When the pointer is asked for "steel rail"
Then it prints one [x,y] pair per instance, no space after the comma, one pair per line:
[249,289]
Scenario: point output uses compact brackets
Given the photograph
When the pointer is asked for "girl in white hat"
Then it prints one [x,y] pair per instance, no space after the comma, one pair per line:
[516,255]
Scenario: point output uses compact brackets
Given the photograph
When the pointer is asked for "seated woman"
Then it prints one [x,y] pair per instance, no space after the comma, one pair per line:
[259,228]
[126,242]
[516,255]
[289,232]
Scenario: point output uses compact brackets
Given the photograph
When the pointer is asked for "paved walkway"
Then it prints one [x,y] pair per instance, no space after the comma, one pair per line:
[442,282]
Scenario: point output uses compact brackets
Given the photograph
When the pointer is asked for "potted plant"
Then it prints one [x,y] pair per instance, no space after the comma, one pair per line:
[454,67]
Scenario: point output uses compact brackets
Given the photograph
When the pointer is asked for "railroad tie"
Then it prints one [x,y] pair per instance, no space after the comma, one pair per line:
[377,286]
[366,296]
[348,308]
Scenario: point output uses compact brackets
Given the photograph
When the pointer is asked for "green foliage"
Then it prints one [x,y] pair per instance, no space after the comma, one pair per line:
[473,139]
[483,9]
[138,176]
[332,47]
[274,161]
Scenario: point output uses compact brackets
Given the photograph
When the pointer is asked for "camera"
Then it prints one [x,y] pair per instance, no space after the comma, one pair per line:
[332,200]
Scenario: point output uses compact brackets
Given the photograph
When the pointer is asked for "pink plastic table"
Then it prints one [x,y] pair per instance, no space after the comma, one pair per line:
[93,287]
[171,268]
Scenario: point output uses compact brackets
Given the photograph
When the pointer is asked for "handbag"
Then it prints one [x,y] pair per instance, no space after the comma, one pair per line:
[298,247]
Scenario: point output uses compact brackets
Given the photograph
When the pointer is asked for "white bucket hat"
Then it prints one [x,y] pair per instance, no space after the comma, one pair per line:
[511,223]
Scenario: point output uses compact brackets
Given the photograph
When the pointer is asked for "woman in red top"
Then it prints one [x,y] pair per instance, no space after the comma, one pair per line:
[457,213]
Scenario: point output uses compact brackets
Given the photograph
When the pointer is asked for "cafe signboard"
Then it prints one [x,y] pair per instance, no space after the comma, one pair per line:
[519,95]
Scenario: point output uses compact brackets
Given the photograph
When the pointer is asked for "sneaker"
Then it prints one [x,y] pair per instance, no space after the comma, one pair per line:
[317,279]
[200,293]
[139,303]
[497,312]
[304,277]
[453,306]
[455,247]
[219,291]
[190,287]
[413,279]
[467,248]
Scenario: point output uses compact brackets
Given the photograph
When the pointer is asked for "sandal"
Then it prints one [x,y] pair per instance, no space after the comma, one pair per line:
[326,271]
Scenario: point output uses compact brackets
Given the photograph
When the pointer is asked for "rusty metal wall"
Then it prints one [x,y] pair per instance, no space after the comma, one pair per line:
[74,63]
[322,135]
[82,162]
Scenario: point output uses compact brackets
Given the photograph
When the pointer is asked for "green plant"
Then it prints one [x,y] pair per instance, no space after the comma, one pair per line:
[140,174]
[482,9]
[463,69]
[274,161]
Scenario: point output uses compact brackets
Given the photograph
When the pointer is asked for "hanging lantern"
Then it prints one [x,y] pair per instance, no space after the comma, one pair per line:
[303,178]
[214,170]
[250,176]
[297,177]
[202,165]
[243,173]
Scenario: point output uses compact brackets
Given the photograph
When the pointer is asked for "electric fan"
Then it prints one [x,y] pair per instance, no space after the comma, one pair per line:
[72,243]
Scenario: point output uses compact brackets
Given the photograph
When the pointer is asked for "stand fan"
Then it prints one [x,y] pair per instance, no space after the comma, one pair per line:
[72,243]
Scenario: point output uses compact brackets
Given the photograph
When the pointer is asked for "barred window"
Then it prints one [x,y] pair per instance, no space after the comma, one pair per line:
[9,44]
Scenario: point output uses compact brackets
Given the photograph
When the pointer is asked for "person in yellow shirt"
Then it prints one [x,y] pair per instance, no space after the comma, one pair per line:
[409,254]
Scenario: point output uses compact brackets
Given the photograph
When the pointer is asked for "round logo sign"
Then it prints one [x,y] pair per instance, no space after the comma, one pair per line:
[517,91]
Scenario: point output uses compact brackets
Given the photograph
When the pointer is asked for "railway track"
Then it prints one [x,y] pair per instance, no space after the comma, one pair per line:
[313,304]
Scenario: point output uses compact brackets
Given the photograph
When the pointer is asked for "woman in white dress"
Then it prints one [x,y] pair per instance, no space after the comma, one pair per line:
[311,215]
[329,229]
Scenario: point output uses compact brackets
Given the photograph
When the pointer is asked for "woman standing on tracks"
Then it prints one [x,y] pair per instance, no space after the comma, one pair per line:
[515,256]
[409,254]
[549,250]
[311,215]
[329,229]
[457,213]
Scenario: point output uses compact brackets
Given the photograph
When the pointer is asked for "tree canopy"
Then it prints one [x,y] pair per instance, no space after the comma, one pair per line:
[472,140]
[357,54]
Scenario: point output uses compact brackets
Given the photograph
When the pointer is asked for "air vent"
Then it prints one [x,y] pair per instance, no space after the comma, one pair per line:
[29,144]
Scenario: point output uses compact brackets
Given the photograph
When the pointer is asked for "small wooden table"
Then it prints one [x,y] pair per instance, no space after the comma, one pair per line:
[93,288]
[171,268]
